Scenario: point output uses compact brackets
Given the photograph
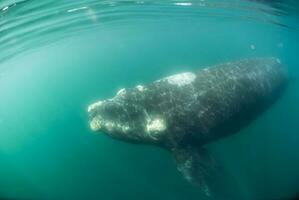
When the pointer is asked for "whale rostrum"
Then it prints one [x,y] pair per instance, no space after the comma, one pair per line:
[185,111]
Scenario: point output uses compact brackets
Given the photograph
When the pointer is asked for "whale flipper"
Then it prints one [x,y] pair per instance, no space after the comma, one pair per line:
[197,166]
[201,169]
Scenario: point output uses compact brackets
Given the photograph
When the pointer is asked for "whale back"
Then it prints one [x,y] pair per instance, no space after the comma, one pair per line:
[224,98]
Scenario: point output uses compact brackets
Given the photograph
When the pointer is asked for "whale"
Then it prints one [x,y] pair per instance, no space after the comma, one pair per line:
[184,112]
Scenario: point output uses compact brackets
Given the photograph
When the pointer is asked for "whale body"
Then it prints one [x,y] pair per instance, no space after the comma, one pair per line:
[184,112]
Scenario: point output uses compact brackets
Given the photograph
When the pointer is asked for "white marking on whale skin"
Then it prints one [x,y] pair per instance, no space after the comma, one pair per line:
[180,79]
[154,127]
[125,129]
[122,128]
[95,124]
[185,168]
[94,106]
[121,92]
[98,123]
[140,88]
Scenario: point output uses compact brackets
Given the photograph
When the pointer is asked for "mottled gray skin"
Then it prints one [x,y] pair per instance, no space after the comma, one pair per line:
[183,112]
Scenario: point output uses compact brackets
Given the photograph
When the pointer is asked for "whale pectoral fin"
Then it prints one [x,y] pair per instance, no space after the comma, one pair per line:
[197,166]
[200,168]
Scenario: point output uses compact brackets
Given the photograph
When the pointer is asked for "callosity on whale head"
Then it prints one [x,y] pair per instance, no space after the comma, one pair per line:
[125,117]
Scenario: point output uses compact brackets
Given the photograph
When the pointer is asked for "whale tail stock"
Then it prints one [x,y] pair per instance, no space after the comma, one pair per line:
[200,168]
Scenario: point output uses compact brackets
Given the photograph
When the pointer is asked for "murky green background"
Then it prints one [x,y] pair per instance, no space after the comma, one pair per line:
[58,57]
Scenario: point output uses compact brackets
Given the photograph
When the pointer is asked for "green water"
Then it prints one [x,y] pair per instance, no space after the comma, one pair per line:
[57,57]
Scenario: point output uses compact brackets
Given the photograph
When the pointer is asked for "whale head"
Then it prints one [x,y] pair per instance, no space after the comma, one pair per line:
[128,116]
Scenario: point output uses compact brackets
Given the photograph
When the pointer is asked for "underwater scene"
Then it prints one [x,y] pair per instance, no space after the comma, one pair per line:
[149,99]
